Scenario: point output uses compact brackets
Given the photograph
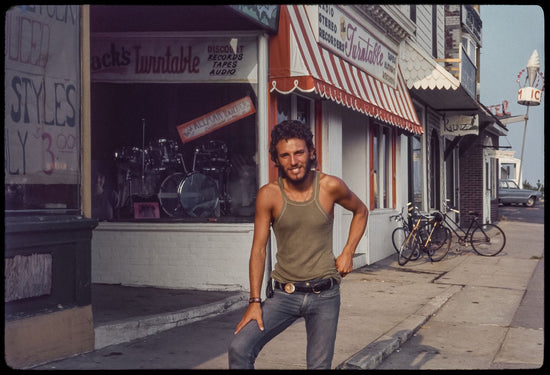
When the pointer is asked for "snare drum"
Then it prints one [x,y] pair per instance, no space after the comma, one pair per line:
[163,154]
[129,154]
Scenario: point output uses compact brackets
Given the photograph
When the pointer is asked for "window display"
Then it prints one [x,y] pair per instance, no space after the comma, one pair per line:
[210,177]
[174,124]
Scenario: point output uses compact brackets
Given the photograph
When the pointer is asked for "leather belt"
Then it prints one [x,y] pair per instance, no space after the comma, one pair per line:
[316,286]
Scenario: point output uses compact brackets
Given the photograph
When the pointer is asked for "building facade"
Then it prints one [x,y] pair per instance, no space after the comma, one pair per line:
[441,66]
[154,144]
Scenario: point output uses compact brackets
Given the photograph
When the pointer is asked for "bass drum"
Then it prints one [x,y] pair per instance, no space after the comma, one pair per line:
[199,195]
[168,195]
[195,195]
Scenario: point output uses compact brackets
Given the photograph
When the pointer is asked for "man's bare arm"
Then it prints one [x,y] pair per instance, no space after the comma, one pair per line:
[256,265]
[347,199]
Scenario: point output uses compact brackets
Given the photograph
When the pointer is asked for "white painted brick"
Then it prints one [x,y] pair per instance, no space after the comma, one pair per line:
[172,255]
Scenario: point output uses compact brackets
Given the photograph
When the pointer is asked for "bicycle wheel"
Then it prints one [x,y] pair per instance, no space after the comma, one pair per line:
[398,236]
[408,249]
[488,240]
[440,243]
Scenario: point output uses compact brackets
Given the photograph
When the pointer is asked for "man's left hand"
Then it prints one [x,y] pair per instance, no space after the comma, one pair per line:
[344,264]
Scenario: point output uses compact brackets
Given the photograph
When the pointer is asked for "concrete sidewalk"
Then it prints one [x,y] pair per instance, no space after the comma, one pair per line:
[383,306]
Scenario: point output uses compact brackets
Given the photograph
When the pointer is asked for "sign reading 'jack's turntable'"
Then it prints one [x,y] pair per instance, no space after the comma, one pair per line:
[134,57]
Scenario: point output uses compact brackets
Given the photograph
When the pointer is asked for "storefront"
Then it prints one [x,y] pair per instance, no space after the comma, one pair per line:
[47,252]
[179,130]
[455,155]
[158,130]
[332,69]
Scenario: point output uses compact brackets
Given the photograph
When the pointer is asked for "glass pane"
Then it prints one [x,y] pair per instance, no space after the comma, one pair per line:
[376,159]
[416,170]
[146,163]
[303,109]
[387,166]
[42,102]
[283,108]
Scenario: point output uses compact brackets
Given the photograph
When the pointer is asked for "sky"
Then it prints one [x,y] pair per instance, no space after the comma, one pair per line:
[510,34]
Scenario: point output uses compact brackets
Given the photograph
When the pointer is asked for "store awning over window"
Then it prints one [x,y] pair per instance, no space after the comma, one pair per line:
[298,62]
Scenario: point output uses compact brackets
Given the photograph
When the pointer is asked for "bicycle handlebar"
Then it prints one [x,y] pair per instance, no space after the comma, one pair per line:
[399,216]
[449,208]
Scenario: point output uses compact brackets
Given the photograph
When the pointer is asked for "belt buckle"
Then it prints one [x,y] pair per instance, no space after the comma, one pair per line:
[290,288]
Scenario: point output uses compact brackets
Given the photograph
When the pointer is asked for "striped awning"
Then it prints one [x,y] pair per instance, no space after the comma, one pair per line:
[297,61]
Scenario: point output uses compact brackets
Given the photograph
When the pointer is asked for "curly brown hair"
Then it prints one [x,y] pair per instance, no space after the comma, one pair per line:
[291,129]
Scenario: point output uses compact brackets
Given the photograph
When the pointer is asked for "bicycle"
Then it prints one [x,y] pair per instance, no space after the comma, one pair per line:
[401,232]
[485,239]
[428,235]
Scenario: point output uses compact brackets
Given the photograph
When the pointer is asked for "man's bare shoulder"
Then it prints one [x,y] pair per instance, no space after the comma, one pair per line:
[269,193]
[270,187]
[331,183]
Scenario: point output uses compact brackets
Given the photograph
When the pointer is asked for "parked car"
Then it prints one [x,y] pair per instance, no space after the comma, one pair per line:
[509,192]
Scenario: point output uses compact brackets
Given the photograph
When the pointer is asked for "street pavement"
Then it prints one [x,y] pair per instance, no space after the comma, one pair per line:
[465,312]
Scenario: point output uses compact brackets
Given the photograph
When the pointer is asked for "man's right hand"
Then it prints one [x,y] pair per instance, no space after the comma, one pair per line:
[254,312]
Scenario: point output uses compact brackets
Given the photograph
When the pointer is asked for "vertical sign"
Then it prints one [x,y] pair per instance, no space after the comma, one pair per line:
[42,94]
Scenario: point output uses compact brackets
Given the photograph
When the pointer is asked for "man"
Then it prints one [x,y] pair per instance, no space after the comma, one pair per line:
[300,207]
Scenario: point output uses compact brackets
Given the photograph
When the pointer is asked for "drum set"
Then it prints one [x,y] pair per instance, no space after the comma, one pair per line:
[157,172]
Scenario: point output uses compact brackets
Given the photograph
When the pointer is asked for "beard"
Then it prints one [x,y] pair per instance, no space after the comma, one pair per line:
[300,180]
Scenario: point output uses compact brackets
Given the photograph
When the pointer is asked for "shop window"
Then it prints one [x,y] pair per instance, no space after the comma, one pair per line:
[376,165]
[303,110]
[491,168]
[294,107]
[173,126]
[451,179]
[381,165]
[507,171]
[151,174]
[42,110]
[283,107]
[435,180]
[415,171]
[469,47]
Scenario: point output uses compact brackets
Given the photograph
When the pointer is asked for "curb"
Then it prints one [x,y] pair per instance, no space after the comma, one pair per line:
[135,328]
[374,353]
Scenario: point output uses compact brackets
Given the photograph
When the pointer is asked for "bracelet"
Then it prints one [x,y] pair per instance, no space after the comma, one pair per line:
[255,300]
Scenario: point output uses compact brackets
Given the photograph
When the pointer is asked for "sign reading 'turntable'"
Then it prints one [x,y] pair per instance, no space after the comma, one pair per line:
[341,34]
[134,57]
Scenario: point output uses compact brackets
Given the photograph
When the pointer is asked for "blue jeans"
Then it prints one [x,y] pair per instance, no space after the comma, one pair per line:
[320,312]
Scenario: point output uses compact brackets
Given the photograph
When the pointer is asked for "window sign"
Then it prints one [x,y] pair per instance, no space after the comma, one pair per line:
[126,57]
[42,101]
[214,120]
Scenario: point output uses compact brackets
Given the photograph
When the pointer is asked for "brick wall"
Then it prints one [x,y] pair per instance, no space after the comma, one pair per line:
[471,178]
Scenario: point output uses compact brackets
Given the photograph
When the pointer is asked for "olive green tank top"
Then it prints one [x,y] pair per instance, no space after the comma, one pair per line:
[303,231]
